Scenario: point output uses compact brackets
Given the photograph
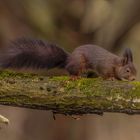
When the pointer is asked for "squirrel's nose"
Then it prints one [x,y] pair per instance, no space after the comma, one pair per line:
[132,78]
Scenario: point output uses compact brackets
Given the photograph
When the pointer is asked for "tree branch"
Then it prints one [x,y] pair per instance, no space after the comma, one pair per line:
[61,95]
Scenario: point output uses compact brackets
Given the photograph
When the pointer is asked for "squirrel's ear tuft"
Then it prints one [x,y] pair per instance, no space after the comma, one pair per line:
[127,56]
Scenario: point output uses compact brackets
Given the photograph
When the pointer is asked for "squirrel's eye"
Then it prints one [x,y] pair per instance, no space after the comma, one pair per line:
[127,70]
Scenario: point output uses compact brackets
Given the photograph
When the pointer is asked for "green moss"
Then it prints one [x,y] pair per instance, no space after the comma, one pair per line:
[60,78]
[65,95]
[10,73]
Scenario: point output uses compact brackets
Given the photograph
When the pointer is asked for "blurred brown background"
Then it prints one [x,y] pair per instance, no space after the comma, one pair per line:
[112,24]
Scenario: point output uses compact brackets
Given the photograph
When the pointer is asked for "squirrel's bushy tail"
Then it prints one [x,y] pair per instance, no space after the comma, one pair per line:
[30,53]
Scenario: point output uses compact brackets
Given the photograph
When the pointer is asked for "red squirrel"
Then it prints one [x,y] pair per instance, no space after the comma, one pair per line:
[39,54]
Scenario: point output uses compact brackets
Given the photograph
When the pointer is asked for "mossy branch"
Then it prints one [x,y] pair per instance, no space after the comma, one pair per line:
[61,95]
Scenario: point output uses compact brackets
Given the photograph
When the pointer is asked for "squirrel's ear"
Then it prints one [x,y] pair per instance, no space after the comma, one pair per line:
[127,56]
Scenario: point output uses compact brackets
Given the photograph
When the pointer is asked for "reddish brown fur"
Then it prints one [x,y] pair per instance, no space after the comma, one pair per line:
[31,53]
[38,54]
[102,62]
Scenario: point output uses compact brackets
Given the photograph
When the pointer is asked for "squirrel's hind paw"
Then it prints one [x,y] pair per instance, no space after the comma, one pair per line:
[74,77]
[111,79]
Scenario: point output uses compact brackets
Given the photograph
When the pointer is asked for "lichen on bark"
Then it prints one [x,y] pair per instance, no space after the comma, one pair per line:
[65,96]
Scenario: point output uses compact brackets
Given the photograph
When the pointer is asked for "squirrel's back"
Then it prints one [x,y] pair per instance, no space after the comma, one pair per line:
[94,54]
[32,53]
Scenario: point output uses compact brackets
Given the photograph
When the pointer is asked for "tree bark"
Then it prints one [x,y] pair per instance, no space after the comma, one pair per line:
[69,97]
